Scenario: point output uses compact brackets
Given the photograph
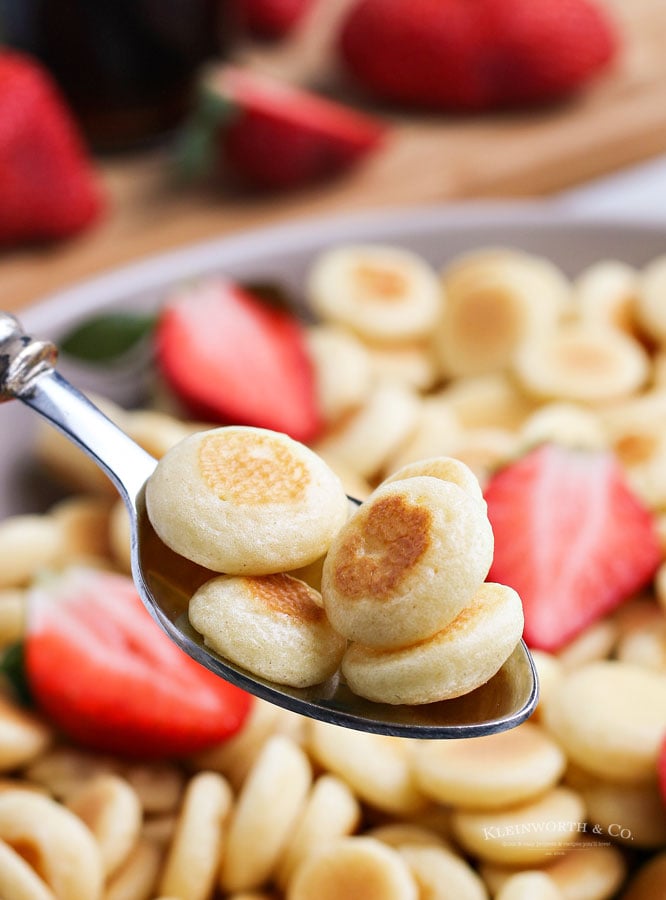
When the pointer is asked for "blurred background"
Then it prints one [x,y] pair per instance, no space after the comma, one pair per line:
[433,101]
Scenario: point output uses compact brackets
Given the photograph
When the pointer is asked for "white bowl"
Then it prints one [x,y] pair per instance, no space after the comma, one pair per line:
[281,254]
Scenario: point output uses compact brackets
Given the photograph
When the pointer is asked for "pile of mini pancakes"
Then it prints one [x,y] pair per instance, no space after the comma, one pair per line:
[392,593]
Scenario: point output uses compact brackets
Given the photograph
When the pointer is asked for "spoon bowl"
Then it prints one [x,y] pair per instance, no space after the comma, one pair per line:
[166,581]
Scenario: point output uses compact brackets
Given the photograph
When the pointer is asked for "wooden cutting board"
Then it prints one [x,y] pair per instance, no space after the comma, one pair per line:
[619,121]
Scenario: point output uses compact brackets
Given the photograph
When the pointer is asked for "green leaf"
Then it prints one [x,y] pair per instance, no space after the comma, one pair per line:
[107,336]
[197,144]
[12,666]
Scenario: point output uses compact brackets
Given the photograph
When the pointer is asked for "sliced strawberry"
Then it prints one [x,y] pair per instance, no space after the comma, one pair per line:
[272,135]
[570,537]
[104,673]
[233,359]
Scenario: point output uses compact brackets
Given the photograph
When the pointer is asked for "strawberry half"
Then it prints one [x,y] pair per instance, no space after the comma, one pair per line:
[48,186]
[570,537]
[103,672]
[231,358]
[271,135]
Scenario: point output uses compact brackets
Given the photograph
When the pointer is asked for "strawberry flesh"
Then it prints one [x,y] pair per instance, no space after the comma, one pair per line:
[102,671]
[571,537]
[232,359]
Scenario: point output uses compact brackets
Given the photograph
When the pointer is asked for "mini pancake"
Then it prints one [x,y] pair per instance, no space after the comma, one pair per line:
[436,432]
[445,467]
[592,869]
[413,364]
[496,300]
[265,815]
[235,756]
[45,830]
[644,646]
[493,400]
[28,543]
[632,814]
[155,431]
[453,662]
[367,438]
[636,435]
[331,811]
[272,625]
[399,834]
[606,294]
[377,768]
[530,886]
[485,450]
[343,374]
[524,834]
[18,878]
[244,500]
[195,852]
[596,642]
[549,670]
[24,738]
[582,362]
[111,809]
[84,520]
[570,424]
[406,563]
[138,874]
[381,292]
[353,867]
[442,874]
[650,309]
[609,718]
[493,771]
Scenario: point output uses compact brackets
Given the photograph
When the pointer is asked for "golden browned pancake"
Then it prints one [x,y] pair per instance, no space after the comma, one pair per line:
[271,625]
[382,293]
[448,468]
[244,500]
[407,562]
[456,660]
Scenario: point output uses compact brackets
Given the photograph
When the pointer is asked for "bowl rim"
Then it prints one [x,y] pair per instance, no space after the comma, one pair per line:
[161,269]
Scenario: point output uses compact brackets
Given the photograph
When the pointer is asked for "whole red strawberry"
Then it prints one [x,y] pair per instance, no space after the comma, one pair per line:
[268,134]
[475,54]
[48,187]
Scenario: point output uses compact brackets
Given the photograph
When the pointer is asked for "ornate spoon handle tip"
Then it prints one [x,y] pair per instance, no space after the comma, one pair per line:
[22,359]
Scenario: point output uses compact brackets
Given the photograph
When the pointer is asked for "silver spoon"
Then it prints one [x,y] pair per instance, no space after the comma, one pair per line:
[166,581]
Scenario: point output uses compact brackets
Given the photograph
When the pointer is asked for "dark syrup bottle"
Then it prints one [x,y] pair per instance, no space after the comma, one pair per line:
[127,67]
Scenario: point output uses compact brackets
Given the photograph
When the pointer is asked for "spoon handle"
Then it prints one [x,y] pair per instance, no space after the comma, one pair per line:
[27,373]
